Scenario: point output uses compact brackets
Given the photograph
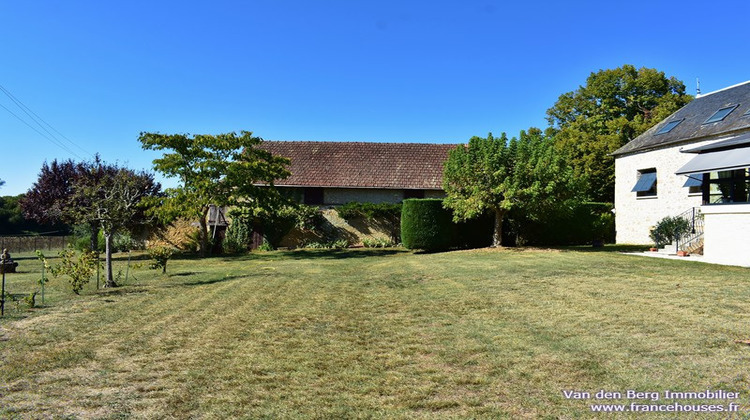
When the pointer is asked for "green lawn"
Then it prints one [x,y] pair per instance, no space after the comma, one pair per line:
[376,333]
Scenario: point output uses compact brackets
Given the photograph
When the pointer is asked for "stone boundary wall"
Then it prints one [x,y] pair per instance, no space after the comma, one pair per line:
[354,231]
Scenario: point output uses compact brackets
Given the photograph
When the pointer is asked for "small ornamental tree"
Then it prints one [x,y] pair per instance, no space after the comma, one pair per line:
[78,267]
[160,255]
[222,170]
[499,175]
[103,196]
[115,198]
[45,267]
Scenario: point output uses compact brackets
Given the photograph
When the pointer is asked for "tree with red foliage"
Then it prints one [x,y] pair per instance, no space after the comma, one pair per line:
[48,200]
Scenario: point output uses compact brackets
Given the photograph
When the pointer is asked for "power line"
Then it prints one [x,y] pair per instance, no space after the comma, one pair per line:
[25,108]
[36,118]
[53,141]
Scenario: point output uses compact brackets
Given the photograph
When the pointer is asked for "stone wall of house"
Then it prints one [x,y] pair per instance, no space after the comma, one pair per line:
[636,216]
[727,228]
[338,196]
[434,194]
[353,231]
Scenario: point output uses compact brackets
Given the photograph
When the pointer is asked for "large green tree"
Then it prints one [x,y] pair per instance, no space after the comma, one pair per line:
[499,175]
[222,170]
[612,108]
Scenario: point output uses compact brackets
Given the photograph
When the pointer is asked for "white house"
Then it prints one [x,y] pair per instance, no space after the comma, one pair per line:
[694,164]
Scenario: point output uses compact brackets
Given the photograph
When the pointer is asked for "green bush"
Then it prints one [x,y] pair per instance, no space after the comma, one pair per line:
[265,246]
[426,225]
[377,243]
[122,242]
[337,244]
[160,255]
[81,239]
[239,235]
[79,267]
[669,229]
[282,221]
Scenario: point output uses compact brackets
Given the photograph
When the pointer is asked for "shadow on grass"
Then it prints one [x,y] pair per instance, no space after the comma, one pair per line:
[24,258]
[605,248]
[120,290]
[185,274]
[123,256]
[298,254]
[307,254]
[212,281]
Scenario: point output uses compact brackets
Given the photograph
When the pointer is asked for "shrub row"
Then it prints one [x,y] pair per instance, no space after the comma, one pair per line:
[585,223]
[425,224]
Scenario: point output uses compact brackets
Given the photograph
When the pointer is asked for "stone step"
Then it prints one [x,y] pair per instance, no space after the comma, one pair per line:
[668,249]
[695,247]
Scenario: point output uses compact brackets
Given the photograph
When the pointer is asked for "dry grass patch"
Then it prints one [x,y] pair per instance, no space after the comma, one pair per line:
[377,333]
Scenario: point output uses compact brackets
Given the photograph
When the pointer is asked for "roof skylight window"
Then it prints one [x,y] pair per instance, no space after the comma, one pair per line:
[720,114]
[669,126]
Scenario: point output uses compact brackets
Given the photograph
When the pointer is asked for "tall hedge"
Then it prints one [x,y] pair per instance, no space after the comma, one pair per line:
[425,224]
[583,224]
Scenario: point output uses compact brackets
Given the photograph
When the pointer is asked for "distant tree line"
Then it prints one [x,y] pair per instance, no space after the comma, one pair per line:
[13,222]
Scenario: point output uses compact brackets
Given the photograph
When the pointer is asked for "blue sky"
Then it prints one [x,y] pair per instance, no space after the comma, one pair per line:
[101,72]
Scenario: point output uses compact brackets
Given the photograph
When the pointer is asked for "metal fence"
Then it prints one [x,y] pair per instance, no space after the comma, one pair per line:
[16,244]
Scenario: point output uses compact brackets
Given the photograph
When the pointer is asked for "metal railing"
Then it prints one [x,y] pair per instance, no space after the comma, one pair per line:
[695,218]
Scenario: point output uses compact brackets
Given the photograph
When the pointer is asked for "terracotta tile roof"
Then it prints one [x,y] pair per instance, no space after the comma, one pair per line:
[362,165]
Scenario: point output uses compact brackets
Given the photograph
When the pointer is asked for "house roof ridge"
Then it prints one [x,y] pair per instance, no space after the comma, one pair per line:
[703,95]
[694,117]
